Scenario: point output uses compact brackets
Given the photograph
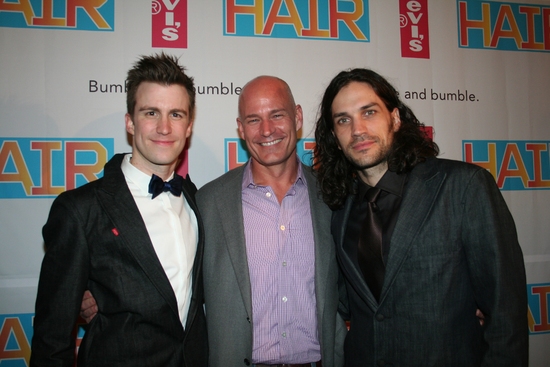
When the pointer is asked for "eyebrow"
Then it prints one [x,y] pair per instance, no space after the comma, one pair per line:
[362,108]
[156,109]
[270,113]
[184,112]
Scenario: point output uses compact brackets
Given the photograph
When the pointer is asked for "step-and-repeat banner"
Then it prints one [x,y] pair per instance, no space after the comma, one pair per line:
[477,73]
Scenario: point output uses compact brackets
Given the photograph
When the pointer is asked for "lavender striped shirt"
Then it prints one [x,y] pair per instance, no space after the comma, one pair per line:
[281,260]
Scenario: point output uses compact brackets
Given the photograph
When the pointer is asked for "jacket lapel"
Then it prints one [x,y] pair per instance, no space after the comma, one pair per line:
[347,264]
[118,203]
[233,229]
[189,190]
[324,247]
[420,193]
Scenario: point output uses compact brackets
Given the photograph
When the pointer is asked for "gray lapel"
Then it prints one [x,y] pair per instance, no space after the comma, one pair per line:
[229,203]
[420,194]
[324,245]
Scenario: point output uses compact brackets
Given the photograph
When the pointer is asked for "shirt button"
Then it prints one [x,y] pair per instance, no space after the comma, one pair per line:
[284,263]
[284,335]
[282,227]
[285,299]
[268,194]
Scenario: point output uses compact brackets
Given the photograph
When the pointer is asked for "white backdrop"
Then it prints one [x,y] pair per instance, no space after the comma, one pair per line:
[54,65]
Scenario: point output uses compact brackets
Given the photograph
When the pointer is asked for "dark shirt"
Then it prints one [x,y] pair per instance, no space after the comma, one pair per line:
[392,186]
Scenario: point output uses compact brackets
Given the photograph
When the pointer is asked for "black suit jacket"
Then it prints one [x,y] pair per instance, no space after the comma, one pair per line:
[454,249]
[96,239]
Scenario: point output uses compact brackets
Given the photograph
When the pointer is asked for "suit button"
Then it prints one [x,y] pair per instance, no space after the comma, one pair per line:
[380,317]
[381,363]
[247,362]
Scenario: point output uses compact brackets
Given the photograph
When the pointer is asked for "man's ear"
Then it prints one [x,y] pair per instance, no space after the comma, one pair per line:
[299,120]
[189,129]
[240,127]
[129,124]
[396,119]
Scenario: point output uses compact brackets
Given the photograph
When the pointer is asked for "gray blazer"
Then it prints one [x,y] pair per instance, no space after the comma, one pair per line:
[454,249]
[228,299]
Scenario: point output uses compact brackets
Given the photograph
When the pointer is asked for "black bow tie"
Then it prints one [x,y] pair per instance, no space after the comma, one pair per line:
[157,185]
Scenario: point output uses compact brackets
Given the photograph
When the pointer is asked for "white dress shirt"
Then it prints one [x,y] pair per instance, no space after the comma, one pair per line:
[173,230]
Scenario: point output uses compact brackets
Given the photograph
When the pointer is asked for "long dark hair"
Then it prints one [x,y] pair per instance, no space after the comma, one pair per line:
[335,173]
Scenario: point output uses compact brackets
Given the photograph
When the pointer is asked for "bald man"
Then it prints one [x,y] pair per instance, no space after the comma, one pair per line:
[270,272]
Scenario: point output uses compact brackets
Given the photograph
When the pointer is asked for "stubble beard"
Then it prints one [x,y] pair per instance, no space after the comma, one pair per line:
[364,162]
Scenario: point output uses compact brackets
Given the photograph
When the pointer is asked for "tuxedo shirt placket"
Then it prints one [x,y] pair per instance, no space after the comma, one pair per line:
[173,229]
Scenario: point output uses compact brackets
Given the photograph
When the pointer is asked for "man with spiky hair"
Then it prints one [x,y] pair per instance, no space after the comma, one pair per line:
[133,240]
[422,242]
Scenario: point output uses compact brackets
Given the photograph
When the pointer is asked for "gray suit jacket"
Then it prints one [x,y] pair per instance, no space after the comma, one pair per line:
[227,287]
[454,249]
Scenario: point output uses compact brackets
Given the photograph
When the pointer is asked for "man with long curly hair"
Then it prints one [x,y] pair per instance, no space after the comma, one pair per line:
[443,243]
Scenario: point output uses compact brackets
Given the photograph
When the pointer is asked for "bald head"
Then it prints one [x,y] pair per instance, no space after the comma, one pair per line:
[268,122]
[261,86]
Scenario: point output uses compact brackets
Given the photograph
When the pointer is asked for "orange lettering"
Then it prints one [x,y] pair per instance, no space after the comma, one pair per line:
[13,325]
[46,148]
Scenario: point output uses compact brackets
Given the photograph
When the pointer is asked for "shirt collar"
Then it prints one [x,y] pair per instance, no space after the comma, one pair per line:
[390,182]
[248,178]
[135,175]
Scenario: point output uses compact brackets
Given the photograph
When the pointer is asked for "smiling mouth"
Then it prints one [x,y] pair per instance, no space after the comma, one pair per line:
[270,143]
[163,142]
